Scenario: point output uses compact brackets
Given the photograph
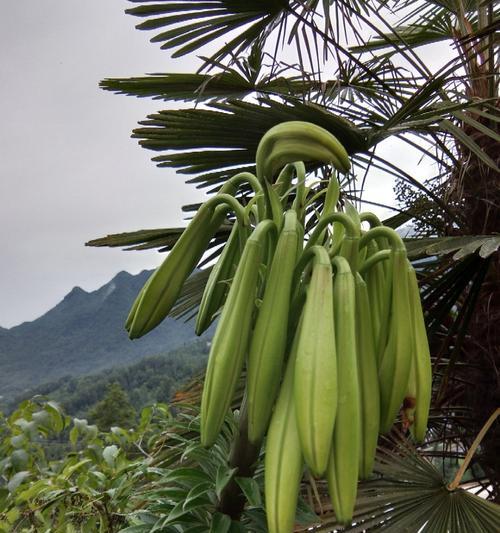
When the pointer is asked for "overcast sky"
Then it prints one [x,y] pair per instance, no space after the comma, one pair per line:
[69,170]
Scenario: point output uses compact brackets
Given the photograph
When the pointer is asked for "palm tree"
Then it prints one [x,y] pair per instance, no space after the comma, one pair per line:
[270,67]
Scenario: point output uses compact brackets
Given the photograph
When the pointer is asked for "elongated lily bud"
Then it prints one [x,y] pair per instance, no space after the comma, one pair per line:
[283,461]
[342,473]
[316,367]
[267,348]
[230,342]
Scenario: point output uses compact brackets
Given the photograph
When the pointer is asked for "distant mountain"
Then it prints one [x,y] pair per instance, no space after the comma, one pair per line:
[83,334]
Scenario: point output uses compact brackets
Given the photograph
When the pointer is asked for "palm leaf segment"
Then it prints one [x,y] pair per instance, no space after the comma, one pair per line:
[411,494]
[226,85]
[192,24]
[228,135]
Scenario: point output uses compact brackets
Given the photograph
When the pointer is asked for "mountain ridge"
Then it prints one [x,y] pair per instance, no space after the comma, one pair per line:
[82,334]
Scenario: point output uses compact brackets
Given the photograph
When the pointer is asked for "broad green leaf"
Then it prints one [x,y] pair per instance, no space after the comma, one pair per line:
[258,519]
[4,494]
[70,470]
[18,441]
[197,504]
[109,454]
[196,529]
[12,515]
[147,517]
[73,435]
[186,476]
[177,512]
[42,418]
[220,523]
[19,459]
[35,490]
[251,490]
[146,416]
[145,528]
[91,432]
[199,491]
[238,527]
[171,494]
[304,514]
[58,419]
[17,479]
[30,429]
[224,476]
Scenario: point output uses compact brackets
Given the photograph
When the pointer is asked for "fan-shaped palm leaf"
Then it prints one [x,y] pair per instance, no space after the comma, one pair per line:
[485,245]
[410,494]
[192,24]
[229,133]
[224,85]
[163,239]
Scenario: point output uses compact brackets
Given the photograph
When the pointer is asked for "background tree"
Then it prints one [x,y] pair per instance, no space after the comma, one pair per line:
[355,68]
[114,409]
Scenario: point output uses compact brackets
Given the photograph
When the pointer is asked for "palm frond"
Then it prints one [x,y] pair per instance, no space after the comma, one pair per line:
[145,239]
[223,140]
[412,35]
[469,143]
[190,296]
[162,239]
[445,289]
[485,245]
[188,25]
[180,86]
[225,85]
[410,494]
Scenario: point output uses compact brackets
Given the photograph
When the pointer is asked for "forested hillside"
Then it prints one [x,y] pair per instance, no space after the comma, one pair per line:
[153,379]
[82,335]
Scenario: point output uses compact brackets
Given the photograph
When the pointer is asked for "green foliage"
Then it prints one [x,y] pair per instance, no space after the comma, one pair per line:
[409,493]
[89,489]
[155,475]
[114,409]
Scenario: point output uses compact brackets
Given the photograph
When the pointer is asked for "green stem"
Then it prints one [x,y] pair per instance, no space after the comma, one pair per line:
[394,239]
[243,456]
[341,265]
[232,203]
[382,255]
[371,218]
[232,184]
[342,218]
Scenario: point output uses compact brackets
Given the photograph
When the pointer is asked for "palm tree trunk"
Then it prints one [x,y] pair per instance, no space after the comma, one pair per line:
[475,188]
